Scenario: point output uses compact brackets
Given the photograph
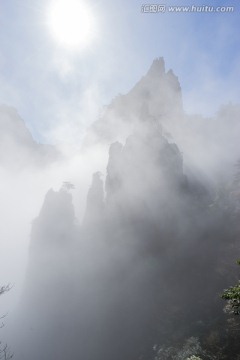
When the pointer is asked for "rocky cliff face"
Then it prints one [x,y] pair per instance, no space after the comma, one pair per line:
[98,287]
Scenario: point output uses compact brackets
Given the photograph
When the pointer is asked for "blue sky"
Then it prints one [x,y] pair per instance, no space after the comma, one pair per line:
[59,92]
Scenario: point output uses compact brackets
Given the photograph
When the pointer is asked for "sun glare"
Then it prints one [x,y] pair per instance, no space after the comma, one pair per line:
[71,23]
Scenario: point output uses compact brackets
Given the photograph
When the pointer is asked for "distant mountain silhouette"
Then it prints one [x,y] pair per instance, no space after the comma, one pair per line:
[17,146]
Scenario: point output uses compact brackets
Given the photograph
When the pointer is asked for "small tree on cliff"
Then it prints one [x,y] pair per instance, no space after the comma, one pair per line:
[4,350]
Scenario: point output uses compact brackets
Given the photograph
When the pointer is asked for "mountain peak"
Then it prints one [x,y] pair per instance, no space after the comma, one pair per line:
[157,68]
[157,95]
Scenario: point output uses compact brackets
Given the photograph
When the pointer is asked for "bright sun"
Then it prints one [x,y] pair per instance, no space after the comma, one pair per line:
[71,23]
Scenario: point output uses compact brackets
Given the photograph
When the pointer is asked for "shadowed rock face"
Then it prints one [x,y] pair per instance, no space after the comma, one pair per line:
[95,202]
[17,147]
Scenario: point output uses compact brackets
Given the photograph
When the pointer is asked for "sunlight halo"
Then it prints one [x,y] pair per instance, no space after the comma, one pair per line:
[71,23]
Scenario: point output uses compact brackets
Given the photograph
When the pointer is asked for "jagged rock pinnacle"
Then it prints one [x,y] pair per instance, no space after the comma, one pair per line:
[157,68]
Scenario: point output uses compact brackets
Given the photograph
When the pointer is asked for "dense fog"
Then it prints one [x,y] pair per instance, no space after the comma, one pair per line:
[121,249]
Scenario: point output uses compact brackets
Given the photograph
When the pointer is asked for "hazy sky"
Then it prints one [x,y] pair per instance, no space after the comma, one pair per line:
[59,91]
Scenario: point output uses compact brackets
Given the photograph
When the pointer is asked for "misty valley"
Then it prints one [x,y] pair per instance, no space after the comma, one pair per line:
[131,240]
